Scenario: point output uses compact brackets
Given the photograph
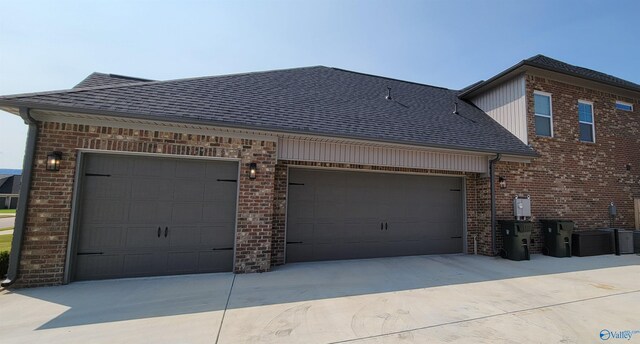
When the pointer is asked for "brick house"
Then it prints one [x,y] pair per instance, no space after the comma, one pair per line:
[132,177]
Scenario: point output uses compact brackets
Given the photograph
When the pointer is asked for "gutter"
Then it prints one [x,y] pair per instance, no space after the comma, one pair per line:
[492,182]
[25,187]
[198,120]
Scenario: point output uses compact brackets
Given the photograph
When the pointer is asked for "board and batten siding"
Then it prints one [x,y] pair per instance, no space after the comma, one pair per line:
[507,105]
[326,151]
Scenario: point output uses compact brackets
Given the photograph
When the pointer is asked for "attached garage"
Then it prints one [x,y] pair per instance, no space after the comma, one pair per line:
[145,216]
[348,215]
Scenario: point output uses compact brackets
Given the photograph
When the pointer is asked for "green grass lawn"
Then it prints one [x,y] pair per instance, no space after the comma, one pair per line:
[7,213]
[6,229]
[5,242]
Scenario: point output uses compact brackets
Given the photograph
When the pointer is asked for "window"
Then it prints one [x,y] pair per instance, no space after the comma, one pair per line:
[624,106]
[542,108]
[585,119]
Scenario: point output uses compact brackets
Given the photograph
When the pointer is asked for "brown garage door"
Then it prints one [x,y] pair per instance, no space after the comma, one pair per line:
[142,216]
[346,215]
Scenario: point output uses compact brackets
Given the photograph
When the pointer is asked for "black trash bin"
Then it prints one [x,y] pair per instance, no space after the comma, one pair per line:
[557,237]
[516,236]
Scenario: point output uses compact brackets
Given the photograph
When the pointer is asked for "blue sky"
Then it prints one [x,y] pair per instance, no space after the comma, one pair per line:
[54,44]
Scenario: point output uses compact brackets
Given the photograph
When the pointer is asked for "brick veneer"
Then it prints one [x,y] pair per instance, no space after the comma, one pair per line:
[572,179]
[569,180]
[49,208]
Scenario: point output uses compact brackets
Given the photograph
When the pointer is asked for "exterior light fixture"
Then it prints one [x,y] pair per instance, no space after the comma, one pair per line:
[503,182]
[253,168]
[53,161]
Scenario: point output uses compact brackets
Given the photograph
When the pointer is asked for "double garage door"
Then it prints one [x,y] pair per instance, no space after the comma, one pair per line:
[346,215]
[142,216]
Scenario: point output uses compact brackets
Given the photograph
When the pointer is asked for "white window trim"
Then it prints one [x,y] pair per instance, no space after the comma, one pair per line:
[592,123]
[550,117]
[625,104]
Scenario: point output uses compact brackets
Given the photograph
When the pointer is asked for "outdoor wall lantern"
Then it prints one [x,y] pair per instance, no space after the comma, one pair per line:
[53,161]
[253,167]
[503,182]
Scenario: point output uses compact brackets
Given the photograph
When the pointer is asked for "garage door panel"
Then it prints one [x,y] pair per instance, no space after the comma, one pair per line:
[99,266]
[116,166]
[300,232]
[344,211]
[183,262]
[215,261]
[153,167]
[144,237]
[213,189]
[187,212]
[189,190]
[213,212]
[219,236]
[191,169]
[108,188]
[120,217]
[100,211]
[154,189]
[221,170]
[107,237]
[144,264]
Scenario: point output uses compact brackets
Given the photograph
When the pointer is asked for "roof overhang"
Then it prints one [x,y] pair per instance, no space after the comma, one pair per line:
[86,116]
[525,67]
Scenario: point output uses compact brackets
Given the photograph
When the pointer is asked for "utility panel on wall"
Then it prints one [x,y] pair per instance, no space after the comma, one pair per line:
[522,207]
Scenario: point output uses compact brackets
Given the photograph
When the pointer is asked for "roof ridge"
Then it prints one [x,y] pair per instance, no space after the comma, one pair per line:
[392,79]
[137,83]
[532,61]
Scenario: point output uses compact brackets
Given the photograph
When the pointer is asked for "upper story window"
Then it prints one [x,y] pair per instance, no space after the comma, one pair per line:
[624,106]
[585,118]
[543,113]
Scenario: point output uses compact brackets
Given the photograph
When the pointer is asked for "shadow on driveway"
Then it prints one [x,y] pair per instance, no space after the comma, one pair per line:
[117,300]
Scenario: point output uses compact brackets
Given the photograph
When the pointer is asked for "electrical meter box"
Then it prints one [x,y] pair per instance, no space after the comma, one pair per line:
[522,207]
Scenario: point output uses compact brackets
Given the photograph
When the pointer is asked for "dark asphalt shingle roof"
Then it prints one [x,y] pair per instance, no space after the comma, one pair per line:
[559,66]
[102,79]
[312,100]
[547,63]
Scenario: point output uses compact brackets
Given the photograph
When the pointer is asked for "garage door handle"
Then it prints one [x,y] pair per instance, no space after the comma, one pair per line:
[159,231]
[381,225]
[386,226]
[166,231]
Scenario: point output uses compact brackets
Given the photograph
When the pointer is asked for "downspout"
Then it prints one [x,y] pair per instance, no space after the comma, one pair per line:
[25,187]
[492,179]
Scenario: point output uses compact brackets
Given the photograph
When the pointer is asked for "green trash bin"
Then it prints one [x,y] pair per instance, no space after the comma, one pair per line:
[557,237]
[516,236]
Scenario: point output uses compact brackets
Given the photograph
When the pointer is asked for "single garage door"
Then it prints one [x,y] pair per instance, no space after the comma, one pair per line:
[142,216]
[347,215]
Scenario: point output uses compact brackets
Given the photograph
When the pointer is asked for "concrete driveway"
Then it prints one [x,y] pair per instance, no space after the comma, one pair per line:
[7,221]
[453,298]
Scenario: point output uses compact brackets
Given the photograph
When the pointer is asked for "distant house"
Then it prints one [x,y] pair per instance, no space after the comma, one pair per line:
[9,185]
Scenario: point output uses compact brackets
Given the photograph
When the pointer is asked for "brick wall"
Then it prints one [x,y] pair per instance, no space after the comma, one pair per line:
[49,208]
[572,179]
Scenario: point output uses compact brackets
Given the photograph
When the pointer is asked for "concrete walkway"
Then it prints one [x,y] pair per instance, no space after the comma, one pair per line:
[453,299]
[7,222]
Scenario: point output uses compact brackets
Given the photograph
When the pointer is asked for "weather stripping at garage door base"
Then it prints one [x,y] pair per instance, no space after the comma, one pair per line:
[222,249]
[88,253]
